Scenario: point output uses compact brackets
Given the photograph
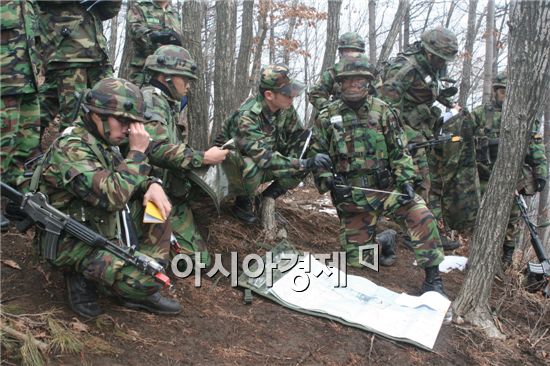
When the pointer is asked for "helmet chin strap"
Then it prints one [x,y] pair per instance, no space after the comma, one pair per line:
[172,87]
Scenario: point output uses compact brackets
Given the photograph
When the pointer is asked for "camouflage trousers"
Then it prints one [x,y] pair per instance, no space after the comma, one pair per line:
[19,139]
[111,273]
[358,218]
[512,229]
[57,93]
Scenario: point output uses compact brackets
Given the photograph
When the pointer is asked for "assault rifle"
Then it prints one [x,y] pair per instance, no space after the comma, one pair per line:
[54,222]
[443,139]
[539,273]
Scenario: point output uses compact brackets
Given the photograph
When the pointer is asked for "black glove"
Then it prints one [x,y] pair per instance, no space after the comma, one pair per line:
[408,190]
[340,190]
[317,162]
[540,183]
[165,37]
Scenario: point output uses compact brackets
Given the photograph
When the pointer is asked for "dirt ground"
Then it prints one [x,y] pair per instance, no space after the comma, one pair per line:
[216,327]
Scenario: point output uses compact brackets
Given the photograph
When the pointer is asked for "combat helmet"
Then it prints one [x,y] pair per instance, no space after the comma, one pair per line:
[115,97]
[441,42]
[172,60]
[357,65]
[351,40]
[500,81]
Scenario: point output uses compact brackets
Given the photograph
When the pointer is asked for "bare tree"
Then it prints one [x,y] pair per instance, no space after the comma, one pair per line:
[113,37]
[465,83]
[544,203]
[406,25]
[243,61]
[333,29]
[527,93]
[392,34]
[289,34]
[263,10]
[372,32]
[192,16]
[489,50]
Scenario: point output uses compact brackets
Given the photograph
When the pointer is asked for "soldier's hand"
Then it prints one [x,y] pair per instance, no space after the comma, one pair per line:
[214,155]
[540,184]
[341,191]
[408,191]
[156,194]
[138,138]
[319,161]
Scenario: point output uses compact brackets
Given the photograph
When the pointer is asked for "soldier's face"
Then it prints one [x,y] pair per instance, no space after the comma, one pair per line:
[500,94]
[276,101]
[181,84]
[118,129]
[351,52]
[436,62]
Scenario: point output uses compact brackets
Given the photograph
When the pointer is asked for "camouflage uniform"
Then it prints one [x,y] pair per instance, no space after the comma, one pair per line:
[411,85]
[168,145]
[144,18]
[90,180]
[326,88]
[366,149]
[269,143]
[487,119]
[75,52]
[19,108]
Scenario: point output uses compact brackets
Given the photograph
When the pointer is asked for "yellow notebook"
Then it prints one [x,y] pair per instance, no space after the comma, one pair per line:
[152,214]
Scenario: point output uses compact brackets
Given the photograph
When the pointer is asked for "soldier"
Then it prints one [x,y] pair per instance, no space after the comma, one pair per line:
[151,24]
[75,51]
[84,175]
[269,138]
[363,138]
[171,70]
[487,119]
[411,84]
[325,90]
[19,81]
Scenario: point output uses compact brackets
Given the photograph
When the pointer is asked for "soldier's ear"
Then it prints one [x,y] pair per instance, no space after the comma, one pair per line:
[269,95]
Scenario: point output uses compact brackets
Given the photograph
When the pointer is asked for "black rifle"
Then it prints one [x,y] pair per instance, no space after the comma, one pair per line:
[539,272]
[53,222]
[443,139]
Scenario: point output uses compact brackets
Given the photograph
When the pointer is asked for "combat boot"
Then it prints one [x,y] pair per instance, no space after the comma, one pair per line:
[507,255]
[449,244]
[433,281]
[82,296]
[386,239]
[243,210]
[274,191]
[4,223]
[156,304]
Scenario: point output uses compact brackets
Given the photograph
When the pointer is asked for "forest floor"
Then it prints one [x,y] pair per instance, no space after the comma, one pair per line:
[216,327]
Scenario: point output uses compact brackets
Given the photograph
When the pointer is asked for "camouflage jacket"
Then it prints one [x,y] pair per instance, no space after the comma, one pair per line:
[167,149]
[320,94]
[260,134]
[70,33]
[90,180]
[487,119]
[145,17]
[364,145]
[20,62]
[411,86]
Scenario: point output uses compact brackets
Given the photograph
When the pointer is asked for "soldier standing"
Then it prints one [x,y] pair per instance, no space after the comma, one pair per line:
[411,84]
[269,138]
[19,82]
[171,70]
[487,119]
[326,89]
[75,51]
[151,24]
[85,176]
[364,140]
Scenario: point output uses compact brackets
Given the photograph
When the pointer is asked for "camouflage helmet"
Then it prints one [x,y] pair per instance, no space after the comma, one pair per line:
[356,65]
[441,42]
[351,40]
[115,97]
[275,77]
[172,60]
[500,81]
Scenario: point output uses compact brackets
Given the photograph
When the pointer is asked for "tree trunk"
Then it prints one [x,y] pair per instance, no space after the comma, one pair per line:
[243,61]
[497,41]
[430,7]
[333,30]
[489,48]
[223,64]
[450,13]
[271,42]
[465,83]
[372,32]
[192,15]
[406,25]
[113,39]
[289,34]
[527,92]
[263,9]
[127,51]
[392,34]
[544,203]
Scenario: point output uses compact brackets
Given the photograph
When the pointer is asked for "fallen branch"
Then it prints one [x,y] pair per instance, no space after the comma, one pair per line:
[43,347]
